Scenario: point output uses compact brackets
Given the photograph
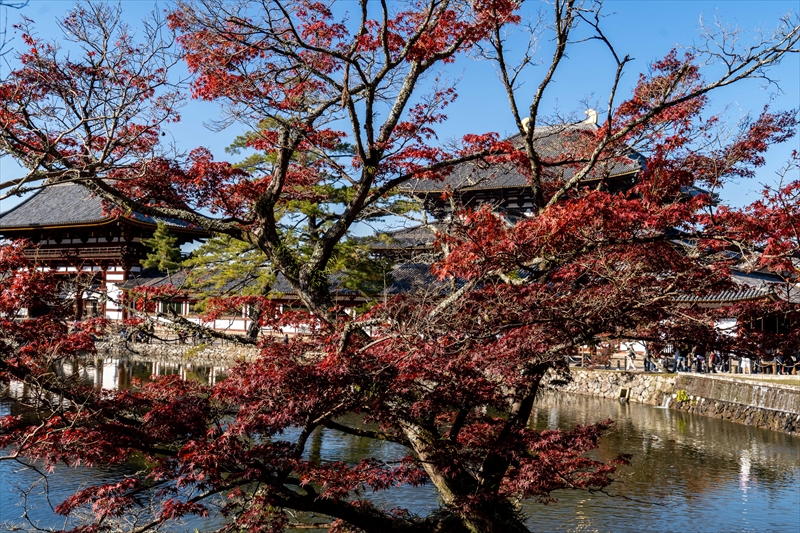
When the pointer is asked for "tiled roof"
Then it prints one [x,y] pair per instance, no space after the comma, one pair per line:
[67,203]
[692,191]
[421,235]
[750,286]
[414,277]
[281,285]
[169,222]
[407,277]
[733,296]
[553,142]
[150,277]
[417,277]
[156,278]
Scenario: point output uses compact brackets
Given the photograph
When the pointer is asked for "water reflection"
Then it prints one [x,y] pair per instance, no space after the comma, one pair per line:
[688,473]
[24,489]
[121,374]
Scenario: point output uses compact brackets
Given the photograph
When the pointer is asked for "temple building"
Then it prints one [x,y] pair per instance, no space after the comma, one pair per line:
[73,235]
[99,254]
[507,189]
[504,187]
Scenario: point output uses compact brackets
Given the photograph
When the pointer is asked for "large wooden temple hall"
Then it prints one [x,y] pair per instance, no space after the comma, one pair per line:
[72,234]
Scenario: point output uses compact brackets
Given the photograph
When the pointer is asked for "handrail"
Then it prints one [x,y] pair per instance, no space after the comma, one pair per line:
[72,253]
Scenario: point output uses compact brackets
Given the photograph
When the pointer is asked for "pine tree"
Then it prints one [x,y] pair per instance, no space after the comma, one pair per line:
[166,253]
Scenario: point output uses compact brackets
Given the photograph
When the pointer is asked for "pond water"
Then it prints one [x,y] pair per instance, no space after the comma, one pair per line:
[688,473]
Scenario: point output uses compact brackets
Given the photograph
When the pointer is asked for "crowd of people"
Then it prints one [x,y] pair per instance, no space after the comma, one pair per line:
[686,358]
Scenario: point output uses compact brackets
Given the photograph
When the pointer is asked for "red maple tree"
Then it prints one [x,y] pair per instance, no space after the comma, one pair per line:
[452,375]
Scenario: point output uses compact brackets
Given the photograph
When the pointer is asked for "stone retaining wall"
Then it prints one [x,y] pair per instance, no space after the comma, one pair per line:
[212,355]
[765,405]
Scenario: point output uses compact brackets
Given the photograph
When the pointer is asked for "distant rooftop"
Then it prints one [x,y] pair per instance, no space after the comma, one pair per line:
[750,286]
[405,278]
[555,143]
[418,236]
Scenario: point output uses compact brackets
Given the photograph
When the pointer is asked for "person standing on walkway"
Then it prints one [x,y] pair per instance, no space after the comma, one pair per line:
[714,359]
[649,365]
[629,364]
[700,361]
[668,358]
[745,365]
[680,358]
[691,359]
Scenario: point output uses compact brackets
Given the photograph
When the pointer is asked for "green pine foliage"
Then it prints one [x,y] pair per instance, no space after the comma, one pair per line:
[358,270]
[166,255]
[226,266]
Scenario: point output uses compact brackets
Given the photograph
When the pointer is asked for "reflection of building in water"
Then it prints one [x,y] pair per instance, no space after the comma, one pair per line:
[19,390]
[552,418]
[745,464]
[109,373]
[119,374]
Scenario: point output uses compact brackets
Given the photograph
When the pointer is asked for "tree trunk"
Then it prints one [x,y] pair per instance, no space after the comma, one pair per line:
[255,318]
[490,517]
[494,517]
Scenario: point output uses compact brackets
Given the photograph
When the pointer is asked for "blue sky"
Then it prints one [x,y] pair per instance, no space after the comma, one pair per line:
[644,29]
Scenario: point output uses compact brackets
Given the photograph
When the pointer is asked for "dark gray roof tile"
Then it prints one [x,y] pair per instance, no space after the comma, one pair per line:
[416,277]
[150,277]
[70,203]
[750,286]
[553,142]
[412,237]
[67,203]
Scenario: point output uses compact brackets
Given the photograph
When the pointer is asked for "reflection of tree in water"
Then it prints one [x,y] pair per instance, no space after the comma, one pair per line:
[677,455]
